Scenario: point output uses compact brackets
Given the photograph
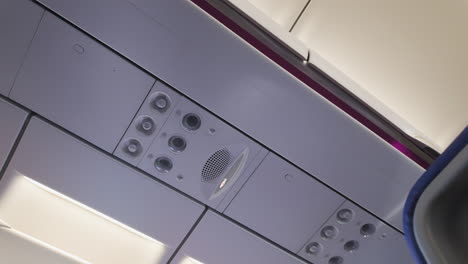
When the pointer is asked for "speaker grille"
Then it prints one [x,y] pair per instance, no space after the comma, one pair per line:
[216,165]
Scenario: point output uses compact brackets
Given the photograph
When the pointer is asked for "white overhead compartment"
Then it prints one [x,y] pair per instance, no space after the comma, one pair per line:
[284,13]
[18,23]
[407,60]
[73,198]
[77,83]
[283,203]
[211,65]
[280,23]
[11,121]
[217,240]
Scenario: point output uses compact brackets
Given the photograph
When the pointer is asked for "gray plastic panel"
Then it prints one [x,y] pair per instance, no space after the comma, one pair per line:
[192,52]
[79,84]
[217,240]
[18,22]
[11,121]
[72,168]
[353,244]
[188,165]
[282,203]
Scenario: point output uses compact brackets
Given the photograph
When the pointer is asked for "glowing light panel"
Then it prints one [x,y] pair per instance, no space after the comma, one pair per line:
[82,232]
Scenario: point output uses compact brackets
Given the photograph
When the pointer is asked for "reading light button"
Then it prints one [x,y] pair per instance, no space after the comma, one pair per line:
[161,103]
[146,125]
[132,147]
[329,232]
[345,216]
[314,248]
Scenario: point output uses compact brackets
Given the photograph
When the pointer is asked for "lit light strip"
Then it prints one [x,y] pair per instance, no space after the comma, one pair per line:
[50,247]
[74,202]
[189,260]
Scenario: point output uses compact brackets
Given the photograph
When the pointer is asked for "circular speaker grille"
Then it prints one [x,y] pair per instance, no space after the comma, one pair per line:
[216,165]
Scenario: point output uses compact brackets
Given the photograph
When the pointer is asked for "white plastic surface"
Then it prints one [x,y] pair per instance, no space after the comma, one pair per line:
[212,136]
[284,13]
[11,121]
[79,84]
[18,22]
[217,240]
[277,24]
[409,57]
[20,249]
[69,167]
[188,49]
[283,203]
[383,246]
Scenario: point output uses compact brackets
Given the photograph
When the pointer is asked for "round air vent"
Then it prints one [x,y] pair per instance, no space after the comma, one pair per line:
[191,121]
[215,165]
[177,144]
[163,164]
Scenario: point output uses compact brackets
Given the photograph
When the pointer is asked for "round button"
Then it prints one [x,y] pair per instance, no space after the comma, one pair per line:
[329,232]
[344,216]
[313,248]
[161,103]
[132,147]
[146,125]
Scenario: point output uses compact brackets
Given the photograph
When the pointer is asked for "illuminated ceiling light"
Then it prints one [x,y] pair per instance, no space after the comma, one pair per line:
[51,220]
[189,260]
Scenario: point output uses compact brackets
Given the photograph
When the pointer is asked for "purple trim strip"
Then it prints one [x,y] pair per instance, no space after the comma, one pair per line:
[234,27]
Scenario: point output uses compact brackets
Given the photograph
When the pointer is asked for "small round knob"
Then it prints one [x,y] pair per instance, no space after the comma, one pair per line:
[329,232]
[314,248]
[344,216]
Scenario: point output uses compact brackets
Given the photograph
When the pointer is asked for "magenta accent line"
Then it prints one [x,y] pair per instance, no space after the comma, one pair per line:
[278,59]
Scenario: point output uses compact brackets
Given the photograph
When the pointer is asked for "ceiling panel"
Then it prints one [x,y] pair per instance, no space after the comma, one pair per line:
[18,22]
[283,203]
[201,58]
[79,84]
[11,121]
[217,240]
[109,213]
